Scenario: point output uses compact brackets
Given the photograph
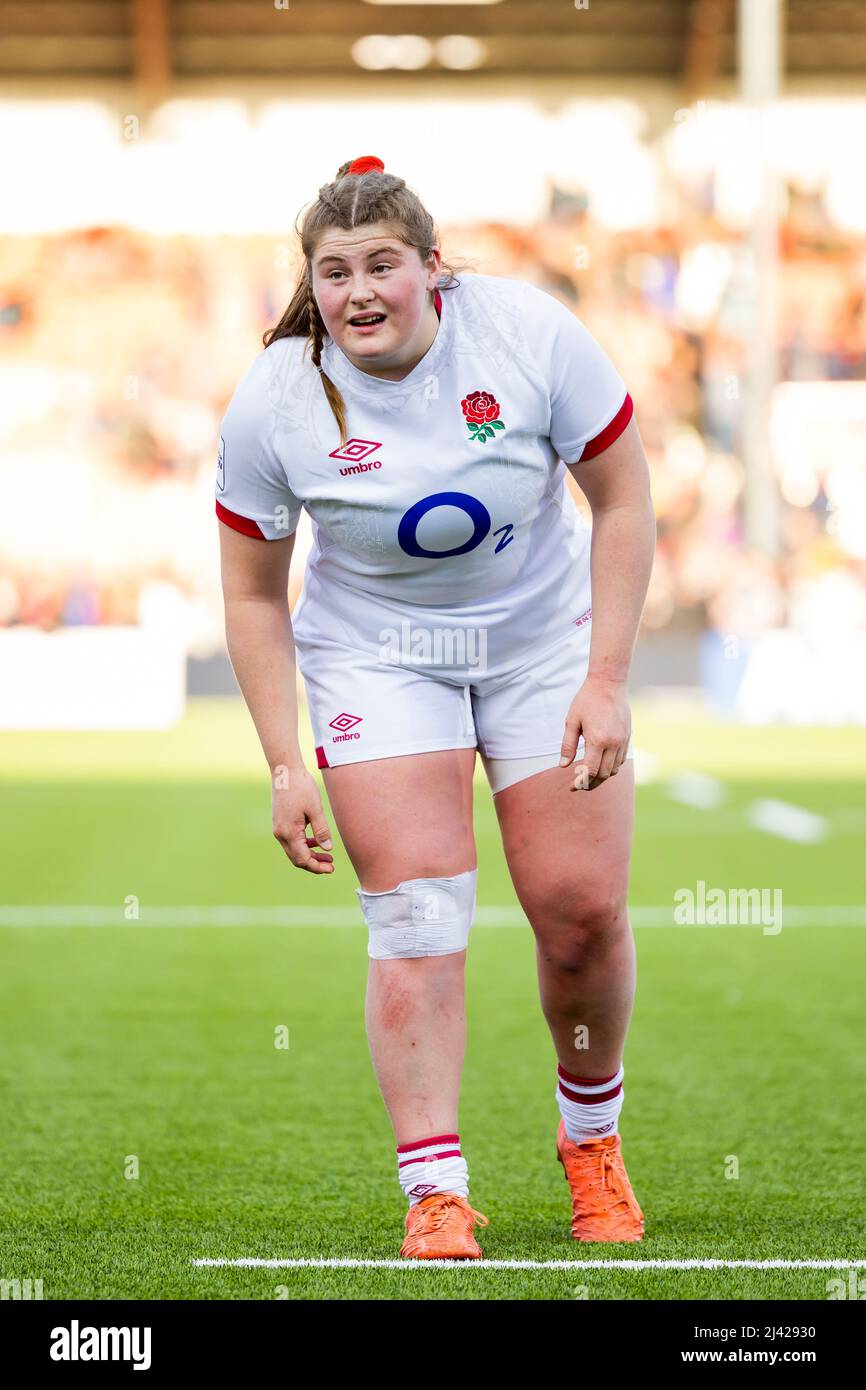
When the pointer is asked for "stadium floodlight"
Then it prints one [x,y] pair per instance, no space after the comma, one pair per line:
[379,51]
[460,51]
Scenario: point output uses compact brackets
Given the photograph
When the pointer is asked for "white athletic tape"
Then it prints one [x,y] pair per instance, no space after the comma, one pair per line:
[420,917]
[504,772]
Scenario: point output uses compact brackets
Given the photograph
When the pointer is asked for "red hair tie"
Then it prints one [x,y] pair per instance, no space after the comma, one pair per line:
[366,164]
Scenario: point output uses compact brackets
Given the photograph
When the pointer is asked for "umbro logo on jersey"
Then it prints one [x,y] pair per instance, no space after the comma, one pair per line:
[355,451]
[344,722]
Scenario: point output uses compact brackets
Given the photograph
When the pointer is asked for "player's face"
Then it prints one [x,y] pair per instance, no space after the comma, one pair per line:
[370,271]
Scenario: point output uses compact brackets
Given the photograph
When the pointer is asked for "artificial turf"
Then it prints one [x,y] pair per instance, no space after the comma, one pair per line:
[132,1042]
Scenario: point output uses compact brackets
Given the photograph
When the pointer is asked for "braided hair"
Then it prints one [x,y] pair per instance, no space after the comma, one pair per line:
[362,192]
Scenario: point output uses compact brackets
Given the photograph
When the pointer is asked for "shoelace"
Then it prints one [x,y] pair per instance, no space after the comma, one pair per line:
[435,1214]
[610,1177]
[610,1169]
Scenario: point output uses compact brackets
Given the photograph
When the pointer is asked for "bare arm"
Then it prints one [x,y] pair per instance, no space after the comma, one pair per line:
[255,581]
[261,646]
[617,486]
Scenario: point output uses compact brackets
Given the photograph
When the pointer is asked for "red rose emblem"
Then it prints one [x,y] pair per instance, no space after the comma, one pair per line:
[479,407]
[481,411]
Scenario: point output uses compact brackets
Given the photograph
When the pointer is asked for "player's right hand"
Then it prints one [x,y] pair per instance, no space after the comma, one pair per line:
[296,803]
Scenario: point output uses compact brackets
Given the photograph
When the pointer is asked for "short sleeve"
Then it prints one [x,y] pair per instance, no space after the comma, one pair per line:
[252,491]
[589,403]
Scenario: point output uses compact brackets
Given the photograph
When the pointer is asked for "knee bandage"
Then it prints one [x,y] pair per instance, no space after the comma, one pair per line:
[420,917]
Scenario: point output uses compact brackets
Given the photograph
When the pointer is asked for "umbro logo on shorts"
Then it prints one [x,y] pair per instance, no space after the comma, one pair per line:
[343,722]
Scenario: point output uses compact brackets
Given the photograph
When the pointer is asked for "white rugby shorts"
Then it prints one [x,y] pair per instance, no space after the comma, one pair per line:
[419,691]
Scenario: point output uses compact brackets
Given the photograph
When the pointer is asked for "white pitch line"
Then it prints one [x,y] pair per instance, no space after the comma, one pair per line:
[677,821]
[249,1263]
[313,918]
[786,821]
[696,789]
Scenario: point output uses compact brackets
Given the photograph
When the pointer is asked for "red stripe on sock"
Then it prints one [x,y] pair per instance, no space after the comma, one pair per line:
[583,1099]
[584,1080]
[428,1158]
[425,1143]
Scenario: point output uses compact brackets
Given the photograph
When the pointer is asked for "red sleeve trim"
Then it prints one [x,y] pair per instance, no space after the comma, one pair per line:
[611,432]
[240,523]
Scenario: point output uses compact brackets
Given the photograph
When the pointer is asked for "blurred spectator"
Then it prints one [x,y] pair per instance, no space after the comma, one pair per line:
[119,351]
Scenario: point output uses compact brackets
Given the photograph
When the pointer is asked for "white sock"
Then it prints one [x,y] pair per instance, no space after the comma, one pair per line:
[589,1106]
[432,1165]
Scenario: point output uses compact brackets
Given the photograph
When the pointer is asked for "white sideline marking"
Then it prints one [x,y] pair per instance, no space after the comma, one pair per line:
[676,821]
[786,821]
[209,915]
[696,789]
[249,1263]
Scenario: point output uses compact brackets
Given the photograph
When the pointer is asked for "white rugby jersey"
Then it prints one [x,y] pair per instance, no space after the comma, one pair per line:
[450,491]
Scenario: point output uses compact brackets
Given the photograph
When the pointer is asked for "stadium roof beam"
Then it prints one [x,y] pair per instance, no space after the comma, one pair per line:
[190,41]
[707,41]
[151,53]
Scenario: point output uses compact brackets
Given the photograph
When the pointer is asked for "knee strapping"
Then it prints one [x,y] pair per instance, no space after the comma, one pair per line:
[420,917]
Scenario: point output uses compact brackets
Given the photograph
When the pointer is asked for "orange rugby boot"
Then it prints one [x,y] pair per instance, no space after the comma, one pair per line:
[602,1203]
[439,1227]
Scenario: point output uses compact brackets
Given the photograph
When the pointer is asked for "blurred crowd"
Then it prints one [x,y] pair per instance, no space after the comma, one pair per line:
[119,352]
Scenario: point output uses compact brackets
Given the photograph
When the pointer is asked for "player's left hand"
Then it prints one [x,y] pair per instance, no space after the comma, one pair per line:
[600,711]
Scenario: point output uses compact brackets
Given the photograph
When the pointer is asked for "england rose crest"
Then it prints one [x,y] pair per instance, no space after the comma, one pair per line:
[482,415]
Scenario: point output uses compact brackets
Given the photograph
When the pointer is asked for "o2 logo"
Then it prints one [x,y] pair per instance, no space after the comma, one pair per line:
[478,514]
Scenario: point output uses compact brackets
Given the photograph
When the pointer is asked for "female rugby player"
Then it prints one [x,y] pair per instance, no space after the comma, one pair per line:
[426,423]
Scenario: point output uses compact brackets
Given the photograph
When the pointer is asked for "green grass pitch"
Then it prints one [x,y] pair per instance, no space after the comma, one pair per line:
[157,1041]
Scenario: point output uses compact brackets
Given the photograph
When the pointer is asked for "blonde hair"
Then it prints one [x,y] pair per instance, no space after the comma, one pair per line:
[353,200]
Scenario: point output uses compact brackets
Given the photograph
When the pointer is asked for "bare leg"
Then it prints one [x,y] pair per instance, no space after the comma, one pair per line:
[568,855]
[416,1028]
[415,1011]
